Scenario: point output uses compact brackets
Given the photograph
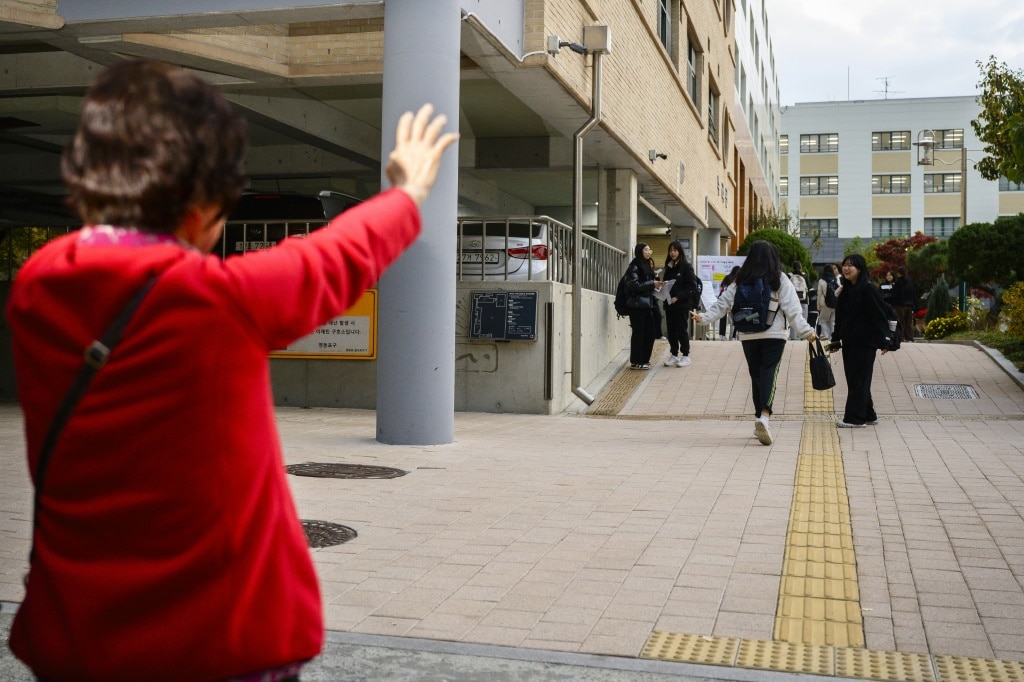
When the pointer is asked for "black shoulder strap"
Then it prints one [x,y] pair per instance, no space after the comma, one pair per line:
[96,355]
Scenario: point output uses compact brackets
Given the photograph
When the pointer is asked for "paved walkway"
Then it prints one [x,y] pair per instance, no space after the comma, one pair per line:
[668,532]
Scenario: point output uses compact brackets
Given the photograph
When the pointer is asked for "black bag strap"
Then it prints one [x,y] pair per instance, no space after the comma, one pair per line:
[96,355]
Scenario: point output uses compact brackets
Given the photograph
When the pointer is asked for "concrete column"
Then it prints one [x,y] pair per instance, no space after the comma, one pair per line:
[618,208]
[416,313]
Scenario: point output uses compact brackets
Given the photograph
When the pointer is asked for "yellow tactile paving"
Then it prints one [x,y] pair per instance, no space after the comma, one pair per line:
[818,624]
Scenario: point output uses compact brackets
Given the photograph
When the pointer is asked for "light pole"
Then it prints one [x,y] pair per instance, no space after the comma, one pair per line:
[926,157]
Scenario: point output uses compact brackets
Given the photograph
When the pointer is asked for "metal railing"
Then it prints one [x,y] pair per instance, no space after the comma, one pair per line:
[18,242]
[547,240]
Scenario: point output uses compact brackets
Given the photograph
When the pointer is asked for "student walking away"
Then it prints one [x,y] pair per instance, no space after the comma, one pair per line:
[827,286]
[682,298]
[862,328]
[800,285]
[166,543]
[640,287]
[762,300]
[905,302]
[726,281]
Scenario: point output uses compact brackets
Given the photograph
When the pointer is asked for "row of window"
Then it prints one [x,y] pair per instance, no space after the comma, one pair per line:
[896,140]
[934,183]
[881,228]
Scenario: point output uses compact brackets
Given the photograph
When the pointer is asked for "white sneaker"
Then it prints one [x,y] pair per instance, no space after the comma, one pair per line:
[762,432]
[846,425]
[683,361]
[672,361]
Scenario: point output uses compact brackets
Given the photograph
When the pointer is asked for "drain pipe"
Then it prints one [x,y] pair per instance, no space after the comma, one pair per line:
[577,219]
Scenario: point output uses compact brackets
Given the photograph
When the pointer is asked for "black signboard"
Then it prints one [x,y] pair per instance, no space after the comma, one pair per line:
[503,315]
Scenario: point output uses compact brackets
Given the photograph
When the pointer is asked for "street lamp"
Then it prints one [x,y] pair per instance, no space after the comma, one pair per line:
[926,157]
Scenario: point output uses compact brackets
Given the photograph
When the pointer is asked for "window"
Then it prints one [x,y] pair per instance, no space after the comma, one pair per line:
[693,70]
[664,23]
[819,184]
[890,184]
[713,113]
[819,227]
[823,142]
[949,139]
[1006,186]
[940,227]
[784,187]
[885,142]
[941,182]
[784,144]
[890,227]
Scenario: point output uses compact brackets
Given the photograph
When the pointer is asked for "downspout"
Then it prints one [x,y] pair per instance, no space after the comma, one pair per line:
[577,219]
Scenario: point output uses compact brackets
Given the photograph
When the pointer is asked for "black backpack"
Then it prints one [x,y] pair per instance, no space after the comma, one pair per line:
[751,307]
[830,293]
[621,294]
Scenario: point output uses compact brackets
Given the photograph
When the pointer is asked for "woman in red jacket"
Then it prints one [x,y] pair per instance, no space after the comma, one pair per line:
[167,545]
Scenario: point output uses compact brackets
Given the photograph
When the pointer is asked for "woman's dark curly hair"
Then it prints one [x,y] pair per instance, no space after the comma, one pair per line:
[153,141]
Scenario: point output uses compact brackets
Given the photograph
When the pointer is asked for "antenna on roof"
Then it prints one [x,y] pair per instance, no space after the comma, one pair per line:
[886,80]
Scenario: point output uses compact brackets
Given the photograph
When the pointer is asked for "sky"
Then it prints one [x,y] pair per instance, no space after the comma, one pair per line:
[835,50]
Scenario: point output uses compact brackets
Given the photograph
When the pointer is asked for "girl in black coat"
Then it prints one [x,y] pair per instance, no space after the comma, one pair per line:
[862,328]
[640,284]
[678,304]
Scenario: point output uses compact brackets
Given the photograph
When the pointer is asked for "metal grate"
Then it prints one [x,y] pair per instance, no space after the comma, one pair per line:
[327,470]
[945,392]
[325,534]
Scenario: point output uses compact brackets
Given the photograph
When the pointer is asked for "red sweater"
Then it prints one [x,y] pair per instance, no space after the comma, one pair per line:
[168,545]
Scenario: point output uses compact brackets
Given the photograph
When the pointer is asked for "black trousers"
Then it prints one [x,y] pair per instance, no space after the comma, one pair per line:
[763,359]
[676,320]
[858,364]
[641,340]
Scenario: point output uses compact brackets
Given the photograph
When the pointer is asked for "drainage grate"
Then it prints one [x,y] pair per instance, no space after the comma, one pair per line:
[945,392]
[325,534]
[326,470]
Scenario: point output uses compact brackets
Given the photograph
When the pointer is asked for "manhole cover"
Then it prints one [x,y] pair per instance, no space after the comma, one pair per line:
[945,392]
[327,470]
[324,534]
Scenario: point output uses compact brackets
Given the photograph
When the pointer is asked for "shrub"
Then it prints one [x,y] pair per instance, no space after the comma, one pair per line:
[939,302]
[1013,310]
[942,327]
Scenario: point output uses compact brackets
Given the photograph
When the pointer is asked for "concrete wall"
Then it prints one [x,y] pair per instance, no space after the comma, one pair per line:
[490,376]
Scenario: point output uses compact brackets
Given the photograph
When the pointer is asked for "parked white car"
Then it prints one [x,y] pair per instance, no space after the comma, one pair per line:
[499,249]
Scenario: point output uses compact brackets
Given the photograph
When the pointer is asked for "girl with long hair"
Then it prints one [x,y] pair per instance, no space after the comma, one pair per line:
[681,299]
[862,327]
[641,283]
[763,350]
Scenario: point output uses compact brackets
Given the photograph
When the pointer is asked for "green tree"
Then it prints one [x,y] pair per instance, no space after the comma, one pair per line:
[790,248]
[857,245]
[940,303]
[928,262]
[772,220]
[1000,125]
[984,253]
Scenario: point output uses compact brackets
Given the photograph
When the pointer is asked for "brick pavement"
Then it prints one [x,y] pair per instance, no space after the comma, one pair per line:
[587,534]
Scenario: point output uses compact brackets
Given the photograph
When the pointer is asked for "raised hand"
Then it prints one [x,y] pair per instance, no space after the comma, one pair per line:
[413,165]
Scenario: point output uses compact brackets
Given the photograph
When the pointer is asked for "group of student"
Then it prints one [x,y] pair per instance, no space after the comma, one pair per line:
[858,325]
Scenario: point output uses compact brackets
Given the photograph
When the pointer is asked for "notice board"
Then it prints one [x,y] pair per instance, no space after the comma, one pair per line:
[503,315]
[352,336]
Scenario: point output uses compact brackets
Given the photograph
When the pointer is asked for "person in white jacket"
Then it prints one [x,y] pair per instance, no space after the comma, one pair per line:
[763,350]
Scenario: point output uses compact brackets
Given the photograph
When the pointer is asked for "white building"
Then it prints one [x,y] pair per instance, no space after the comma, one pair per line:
[851,169]
[758,116]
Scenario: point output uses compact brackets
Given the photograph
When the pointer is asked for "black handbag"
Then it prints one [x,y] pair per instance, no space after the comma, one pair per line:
[822,378]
